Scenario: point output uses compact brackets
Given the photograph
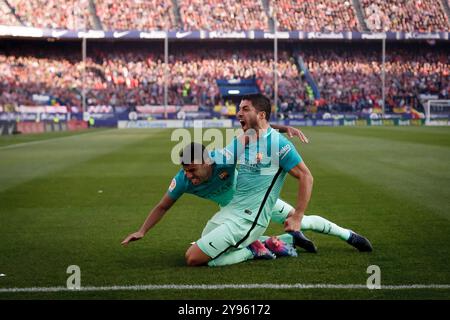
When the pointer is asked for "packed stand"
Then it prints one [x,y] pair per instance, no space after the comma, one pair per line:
[223,15]
[136,15]
[23,76]
[350,80]
[67,14]
[124,78]
[315,16]
[405,15]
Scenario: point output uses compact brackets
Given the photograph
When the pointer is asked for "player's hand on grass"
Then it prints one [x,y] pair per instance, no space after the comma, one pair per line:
[133,237]
[294,132]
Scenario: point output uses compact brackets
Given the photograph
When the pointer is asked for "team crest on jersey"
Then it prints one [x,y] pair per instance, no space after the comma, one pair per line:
[173,184]
[224,175]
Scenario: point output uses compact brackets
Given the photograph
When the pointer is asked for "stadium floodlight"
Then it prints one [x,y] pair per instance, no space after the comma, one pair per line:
[437,112]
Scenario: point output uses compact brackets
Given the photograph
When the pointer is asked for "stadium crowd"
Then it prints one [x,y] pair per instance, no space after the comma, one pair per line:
[404,15]
[229,15]
[138,14]
[23,76]
[348,79]
[126,79]
[223,15]
[318,16]
[351,79]
[68,14]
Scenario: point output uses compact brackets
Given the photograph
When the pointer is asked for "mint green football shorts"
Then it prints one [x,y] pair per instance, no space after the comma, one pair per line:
[223,233]
[281,211]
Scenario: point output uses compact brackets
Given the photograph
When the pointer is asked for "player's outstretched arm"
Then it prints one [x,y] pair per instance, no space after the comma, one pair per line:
[154,216]
[291,132]
[305,183]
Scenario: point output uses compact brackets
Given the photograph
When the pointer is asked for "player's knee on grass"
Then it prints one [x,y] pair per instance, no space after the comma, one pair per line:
[195,256]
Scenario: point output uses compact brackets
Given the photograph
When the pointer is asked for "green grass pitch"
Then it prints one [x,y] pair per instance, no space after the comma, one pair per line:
[70,198]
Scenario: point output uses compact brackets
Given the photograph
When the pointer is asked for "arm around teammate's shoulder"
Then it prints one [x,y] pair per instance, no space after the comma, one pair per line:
[291,132]
[153,218]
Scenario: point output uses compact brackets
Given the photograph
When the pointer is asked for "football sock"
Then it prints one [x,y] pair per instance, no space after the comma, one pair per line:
[322,225]
[231,257]
[316,224]
[309,223]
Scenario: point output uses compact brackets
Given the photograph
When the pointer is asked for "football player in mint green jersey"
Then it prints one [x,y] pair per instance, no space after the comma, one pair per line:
[210,177]
[216,180]
[263,162]
[263,158]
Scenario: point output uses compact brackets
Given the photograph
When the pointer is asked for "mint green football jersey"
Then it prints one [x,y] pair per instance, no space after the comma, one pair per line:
[219,188]
[262,166]
[243,196]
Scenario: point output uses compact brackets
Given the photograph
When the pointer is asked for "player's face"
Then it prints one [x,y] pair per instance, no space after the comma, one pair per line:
[248,116]
[197,173]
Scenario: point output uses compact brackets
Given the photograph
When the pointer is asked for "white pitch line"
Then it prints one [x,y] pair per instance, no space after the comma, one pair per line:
[224,286]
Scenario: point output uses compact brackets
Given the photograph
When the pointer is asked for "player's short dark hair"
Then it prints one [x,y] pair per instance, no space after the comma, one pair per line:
[194,153]
[260,103]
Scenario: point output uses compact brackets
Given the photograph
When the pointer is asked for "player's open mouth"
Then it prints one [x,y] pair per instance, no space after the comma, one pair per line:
[242,123]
